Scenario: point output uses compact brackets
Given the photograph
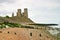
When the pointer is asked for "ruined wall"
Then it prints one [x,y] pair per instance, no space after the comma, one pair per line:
[19,13]
[25,14]
[22,14]
[42,27]
[27,34]
[12,14]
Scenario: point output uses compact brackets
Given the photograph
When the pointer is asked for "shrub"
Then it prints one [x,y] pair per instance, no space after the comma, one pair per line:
[7,16]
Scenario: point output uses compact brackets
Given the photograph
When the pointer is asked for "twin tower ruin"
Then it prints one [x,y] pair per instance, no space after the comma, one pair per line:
[20,14]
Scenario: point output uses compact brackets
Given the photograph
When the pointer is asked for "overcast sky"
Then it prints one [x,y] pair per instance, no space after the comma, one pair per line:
[40,11]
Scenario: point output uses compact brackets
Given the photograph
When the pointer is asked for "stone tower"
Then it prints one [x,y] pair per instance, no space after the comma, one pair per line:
[25,14]
[19,13]
[12,14]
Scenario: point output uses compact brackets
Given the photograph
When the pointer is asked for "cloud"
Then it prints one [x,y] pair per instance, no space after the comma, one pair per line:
[8,1]
[5,12]
[41,3]
[32,4]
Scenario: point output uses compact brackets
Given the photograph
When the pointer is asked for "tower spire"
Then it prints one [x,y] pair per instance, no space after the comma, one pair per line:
[25,12]
[13,14]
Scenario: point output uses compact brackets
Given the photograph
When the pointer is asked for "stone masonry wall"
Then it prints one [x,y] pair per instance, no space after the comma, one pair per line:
[24,34]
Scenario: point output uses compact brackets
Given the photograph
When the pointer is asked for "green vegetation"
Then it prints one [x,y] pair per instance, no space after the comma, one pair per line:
[4,24]
[7,16]
[13,25]
[27,27]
